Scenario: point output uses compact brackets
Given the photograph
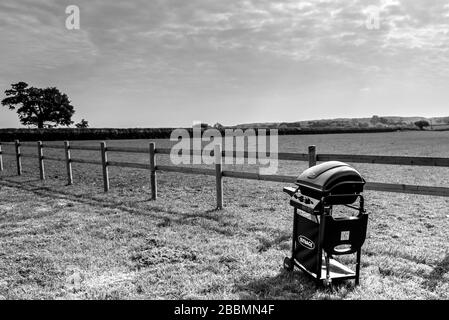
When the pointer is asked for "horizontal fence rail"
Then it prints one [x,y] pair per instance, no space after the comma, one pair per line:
[128,165]
[373,159]
[191,170]
[53,158]
[85,161]
[53,146]
[8,153]
[85,148]
[27,144]
[246,154]
[405,188]
[29,155]
[395,160]
[311,157]
[256,176]
[127,149]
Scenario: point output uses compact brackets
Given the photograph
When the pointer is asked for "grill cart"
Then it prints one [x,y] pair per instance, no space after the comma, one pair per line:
[318,236]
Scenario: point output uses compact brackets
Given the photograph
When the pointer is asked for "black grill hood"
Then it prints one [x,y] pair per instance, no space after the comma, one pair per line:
[332,177]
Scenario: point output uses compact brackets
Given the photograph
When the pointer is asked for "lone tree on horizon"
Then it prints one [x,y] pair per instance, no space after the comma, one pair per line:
[421,124]
[41,107]
[82,124]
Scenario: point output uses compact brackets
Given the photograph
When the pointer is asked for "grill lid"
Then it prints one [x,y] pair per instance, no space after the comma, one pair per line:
[330,177]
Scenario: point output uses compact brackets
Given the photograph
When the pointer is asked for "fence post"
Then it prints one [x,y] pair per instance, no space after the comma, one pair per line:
[18,158]
[104,162]
[68,162]
[1,158]
[40,155]
[219,176]
[153,171]
[312,156]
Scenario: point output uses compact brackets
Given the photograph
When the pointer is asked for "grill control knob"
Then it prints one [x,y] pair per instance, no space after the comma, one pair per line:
[301,198]
[308,201]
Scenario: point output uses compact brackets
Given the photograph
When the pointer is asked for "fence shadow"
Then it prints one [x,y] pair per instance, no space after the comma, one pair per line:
[165,215]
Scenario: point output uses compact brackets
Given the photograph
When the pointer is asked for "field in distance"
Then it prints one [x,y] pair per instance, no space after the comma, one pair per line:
[77,242]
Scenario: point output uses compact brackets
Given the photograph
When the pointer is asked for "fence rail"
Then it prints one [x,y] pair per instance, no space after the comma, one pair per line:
[53,158]
[127,149]
[128,165]
[86,148]
[84,161]
[53,146]
[312,157]
[395,160]
[406,188]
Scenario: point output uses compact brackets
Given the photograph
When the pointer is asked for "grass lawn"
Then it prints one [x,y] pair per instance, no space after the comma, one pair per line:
[76,242]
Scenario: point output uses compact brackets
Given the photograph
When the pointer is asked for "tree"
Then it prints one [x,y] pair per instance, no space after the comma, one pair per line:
[374,120]
[383,120]
[82,124]
[41,107]
[421,124]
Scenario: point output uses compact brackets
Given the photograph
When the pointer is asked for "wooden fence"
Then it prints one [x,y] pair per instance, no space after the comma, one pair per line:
[311,157]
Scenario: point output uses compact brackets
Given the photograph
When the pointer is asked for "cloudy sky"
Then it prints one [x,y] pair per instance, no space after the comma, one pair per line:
[156,63]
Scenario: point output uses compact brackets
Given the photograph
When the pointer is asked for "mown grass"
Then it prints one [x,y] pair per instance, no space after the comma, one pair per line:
[76,242]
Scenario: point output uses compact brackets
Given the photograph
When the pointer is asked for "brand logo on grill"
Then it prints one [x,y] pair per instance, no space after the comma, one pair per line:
[306,242]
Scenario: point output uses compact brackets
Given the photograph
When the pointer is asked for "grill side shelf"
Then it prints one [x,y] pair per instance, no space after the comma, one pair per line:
[289,190]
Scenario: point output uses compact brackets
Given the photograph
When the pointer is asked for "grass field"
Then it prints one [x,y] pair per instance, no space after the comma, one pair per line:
[76,242]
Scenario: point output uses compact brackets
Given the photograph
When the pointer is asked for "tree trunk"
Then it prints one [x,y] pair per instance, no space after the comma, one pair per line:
[40,124]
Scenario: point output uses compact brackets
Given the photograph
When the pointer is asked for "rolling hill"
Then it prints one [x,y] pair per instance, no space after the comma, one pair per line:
[437,123]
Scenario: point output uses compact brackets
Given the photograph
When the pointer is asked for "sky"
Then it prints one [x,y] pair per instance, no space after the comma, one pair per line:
[167,63]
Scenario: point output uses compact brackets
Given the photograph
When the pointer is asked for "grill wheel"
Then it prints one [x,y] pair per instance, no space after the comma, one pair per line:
[288,264]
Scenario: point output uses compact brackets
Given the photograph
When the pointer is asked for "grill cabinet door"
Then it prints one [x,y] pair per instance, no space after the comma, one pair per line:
[306,243]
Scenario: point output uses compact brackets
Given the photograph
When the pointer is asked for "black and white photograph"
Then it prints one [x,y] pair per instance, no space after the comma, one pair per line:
[236,151]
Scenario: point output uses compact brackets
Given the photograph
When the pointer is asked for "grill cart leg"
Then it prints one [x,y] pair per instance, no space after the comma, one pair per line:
[357,268]
[328,280]
[319,256]
[289,262]
[295,231]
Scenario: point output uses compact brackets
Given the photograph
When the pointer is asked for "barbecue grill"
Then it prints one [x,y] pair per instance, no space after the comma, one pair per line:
[318,236]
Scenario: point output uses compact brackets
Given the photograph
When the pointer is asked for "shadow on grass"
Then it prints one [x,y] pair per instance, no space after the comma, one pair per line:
[291,286]
[176,217]
[294,285]
[285,285]
[435,277]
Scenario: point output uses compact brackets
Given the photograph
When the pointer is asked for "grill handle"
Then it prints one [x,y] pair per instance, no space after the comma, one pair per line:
[344,183]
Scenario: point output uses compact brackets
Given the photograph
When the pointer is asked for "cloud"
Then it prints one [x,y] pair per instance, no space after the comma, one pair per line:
[199,49]
[300,31]
[366,89]
[35,40]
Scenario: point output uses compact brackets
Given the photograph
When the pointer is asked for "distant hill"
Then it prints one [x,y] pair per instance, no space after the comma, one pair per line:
[437,123]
